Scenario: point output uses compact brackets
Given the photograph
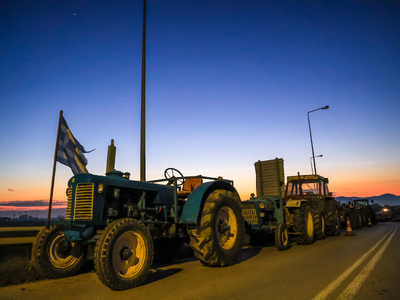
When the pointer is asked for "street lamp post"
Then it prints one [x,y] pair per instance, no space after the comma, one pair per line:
[312,163]
[309,127]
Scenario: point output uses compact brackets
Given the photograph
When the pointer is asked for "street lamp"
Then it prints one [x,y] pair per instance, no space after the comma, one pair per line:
[311,162]
[309,126]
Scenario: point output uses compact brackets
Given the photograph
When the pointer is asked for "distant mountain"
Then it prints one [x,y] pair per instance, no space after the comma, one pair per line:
[385,199]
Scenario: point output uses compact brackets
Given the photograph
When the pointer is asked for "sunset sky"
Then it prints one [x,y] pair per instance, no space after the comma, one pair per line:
[229,82]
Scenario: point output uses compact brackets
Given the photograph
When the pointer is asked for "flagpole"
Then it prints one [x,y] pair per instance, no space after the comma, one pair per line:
[54,171]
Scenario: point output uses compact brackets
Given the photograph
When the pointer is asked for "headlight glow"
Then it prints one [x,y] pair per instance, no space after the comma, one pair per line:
[100,188]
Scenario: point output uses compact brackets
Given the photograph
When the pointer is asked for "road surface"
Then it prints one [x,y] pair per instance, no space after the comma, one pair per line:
[365,266]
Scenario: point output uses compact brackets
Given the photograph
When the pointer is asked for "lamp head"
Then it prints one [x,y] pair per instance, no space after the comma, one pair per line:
[326,107]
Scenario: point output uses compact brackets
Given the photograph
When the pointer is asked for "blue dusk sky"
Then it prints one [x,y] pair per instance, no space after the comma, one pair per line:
[229,82]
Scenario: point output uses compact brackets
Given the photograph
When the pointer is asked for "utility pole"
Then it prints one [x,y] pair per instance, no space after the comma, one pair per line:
[143,102]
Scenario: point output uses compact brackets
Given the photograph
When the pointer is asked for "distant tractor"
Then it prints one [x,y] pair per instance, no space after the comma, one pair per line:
[305,209]
[117,219]
[366,213]
[359,212]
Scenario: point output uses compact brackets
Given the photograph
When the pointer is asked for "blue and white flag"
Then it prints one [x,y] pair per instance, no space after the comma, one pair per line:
[70,151]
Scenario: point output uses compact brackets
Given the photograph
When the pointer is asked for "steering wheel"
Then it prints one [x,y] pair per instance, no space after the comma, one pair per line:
[170,173]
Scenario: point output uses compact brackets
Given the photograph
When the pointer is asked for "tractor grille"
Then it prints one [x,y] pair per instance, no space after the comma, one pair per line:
[83,209]
[249,214]
[69,194]
[84,201]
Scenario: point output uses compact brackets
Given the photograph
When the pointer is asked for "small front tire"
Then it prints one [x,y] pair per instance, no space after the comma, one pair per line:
[282,237]
[124,254]
[55,257]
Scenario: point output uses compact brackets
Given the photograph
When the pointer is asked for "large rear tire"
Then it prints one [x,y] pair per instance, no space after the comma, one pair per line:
[218,240]
[319,225]
[372,215]
[333,218]
[124,254]
[358,220]
[55,257]
[303,225]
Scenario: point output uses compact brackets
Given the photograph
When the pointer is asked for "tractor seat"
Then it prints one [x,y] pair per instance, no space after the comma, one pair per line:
[189,185]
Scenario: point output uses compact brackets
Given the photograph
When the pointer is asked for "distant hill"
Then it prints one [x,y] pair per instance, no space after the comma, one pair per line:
[385,199]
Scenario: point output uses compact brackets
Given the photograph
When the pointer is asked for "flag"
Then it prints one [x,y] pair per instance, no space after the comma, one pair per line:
[70,151]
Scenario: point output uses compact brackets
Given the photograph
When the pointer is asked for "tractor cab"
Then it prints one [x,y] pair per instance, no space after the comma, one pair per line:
[306,187]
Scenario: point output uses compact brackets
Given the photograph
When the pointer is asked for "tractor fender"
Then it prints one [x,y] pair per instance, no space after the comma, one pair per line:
[191,213]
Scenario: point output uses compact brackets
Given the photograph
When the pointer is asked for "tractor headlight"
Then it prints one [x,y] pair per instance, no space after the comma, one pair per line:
[100,188]
[261,205]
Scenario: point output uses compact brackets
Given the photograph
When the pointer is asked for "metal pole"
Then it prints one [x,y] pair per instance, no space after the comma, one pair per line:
[54,172]
[143,102]
[312,146]
[312,164]
[309,127]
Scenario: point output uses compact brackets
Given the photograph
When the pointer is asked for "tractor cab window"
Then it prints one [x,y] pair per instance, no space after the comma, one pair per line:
[292,189]
[326,190]
[303,188]
[311,188]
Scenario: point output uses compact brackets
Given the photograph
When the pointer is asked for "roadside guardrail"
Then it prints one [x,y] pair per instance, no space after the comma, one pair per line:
[18,235]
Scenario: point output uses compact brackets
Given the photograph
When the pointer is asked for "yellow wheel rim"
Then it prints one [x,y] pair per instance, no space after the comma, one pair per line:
[226,228]
[285,237]
[322,224]
[310,225]
[57,258]
[129,254]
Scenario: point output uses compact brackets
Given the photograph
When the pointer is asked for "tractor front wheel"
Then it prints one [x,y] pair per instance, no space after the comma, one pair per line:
[282,237]
[53,256]
[218,240]
[124,254]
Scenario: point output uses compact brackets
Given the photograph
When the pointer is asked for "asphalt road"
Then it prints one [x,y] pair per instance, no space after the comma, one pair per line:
[365,266]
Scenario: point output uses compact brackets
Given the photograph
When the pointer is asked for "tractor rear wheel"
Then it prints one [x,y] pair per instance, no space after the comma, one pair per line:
[218,241]
[53,256]
[124,254]
[358,220]
[319,225]
[282,237]
[333,218]
[371,215]
[303,224]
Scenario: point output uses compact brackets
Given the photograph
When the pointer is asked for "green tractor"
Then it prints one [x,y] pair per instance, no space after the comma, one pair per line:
[117,221]
[362,213]
[264,214]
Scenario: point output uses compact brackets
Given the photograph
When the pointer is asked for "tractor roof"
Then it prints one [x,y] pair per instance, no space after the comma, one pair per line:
[306,178]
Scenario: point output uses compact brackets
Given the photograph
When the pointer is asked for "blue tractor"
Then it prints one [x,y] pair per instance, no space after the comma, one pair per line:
[117,221]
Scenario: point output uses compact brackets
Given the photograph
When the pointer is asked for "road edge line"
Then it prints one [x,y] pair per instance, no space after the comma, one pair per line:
[334,284]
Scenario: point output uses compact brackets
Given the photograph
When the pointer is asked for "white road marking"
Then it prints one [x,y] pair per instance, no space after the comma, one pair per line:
[356,284]
[334,284]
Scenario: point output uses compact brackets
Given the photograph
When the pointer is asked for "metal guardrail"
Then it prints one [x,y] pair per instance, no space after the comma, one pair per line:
[18,235]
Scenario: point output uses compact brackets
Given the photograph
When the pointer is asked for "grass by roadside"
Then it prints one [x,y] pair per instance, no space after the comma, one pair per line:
[15,267]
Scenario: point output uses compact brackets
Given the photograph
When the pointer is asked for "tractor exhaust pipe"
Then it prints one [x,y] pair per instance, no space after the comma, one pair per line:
[111,157]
